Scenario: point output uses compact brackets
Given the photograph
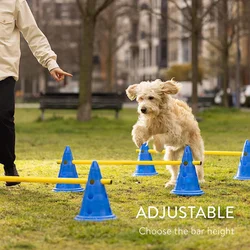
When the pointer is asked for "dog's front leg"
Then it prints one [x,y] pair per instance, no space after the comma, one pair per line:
[140,135]
[159,142]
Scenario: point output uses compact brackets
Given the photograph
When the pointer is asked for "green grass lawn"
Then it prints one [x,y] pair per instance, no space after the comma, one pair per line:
[32,216]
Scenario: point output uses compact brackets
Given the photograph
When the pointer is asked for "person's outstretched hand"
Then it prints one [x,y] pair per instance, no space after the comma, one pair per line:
[58,74]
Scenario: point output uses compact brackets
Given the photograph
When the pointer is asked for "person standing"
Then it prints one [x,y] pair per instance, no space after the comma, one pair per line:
[15,18]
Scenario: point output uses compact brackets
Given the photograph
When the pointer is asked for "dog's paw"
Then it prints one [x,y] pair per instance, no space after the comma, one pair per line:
[138,142]
[170,184]
[202,181]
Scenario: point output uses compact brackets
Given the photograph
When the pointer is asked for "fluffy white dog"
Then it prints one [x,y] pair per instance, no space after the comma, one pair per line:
[167,121]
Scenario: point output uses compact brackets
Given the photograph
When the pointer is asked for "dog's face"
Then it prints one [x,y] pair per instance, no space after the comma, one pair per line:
[151,95]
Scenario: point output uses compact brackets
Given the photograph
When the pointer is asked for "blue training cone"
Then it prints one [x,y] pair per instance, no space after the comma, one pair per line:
[243,172]
[68,170]
[95,203]
[145,170]
[187,182]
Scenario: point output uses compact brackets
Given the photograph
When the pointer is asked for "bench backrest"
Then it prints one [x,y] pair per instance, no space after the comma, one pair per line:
[70,101]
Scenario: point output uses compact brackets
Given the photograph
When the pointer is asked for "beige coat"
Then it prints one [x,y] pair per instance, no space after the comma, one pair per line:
[16,17]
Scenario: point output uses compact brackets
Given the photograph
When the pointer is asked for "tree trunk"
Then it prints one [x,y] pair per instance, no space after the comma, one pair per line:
[86,68]
[110,58]
[225,78]
[195,51]
[134,45]
[225,52]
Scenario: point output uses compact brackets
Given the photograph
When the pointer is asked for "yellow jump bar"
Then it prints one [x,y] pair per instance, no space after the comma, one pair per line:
[229,153]
[101,162]
[50,180]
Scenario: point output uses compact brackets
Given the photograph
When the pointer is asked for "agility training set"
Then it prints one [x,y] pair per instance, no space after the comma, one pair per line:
[95,204]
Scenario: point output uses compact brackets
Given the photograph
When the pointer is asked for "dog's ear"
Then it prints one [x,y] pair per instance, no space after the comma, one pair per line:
[170,87]
[131,91]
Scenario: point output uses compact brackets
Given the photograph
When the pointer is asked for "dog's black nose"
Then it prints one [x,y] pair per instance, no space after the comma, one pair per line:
[143,110]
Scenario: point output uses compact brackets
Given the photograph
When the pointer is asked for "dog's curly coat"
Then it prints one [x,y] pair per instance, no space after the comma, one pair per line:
[167,121]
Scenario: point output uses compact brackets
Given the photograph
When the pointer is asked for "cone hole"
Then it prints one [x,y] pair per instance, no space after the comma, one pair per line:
[245,153]
[89,211]
[183,187]
[184,174]
[65,162]
[185,163]
[92,182]
[90,196]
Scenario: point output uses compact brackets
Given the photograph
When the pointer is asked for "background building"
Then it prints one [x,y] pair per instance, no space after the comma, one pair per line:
[135,41]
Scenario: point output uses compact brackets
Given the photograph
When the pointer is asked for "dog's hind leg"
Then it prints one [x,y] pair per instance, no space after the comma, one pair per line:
[172,155]
[198,155]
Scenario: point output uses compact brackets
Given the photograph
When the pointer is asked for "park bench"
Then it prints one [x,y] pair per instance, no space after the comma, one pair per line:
[203,101]
[109,101]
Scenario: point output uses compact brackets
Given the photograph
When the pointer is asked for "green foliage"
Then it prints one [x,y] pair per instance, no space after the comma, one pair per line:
[34,217]
[182,72]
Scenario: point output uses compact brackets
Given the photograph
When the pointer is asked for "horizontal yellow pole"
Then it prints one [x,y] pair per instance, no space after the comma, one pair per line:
[101,162]
[229,153]
[50,180]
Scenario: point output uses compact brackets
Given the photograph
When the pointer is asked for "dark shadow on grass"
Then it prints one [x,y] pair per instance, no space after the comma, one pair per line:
[22,194]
